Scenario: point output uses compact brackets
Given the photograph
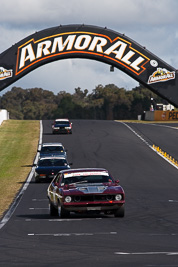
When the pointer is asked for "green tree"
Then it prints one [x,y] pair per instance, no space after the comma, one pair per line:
[105,102]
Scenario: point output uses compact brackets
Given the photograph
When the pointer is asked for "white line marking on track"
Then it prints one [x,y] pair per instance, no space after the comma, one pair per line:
[160,265]
[59,220]
[161,125]
[73,234]
[172,200]
[168,253]
[38,208]
[130,128]
[19,196]
[173,234]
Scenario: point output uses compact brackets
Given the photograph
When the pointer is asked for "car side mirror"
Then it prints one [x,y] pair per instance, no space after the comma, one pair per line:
[117,181]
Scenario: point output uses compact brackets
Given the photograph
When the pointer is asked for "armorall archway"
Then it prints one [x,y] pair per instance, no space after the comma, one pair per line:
[90,42]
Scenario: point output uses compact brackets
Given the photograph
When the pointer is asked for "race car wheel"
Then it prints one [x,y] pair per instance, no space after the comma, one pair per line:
[63,213]
[37,180]
[52,210]
[120,212]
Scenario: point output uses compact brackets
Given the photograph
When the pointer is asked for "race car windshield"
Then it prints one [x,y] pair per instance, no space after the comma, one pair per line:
[49,149]
[52,162]
[62,122]
[88,179]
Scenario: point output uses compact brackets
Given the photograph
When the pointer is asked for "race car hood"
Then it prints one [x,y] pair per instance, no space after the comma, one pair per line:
[93,189]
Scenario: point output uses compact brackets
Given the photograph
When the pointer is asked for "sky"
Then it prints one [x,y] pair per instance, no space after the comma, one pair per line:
[151,23]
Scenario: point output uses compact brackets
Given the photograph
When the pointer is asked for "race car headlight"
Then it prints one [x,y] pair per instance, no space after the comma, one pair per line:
[68,128]
[68,199]
[118,197]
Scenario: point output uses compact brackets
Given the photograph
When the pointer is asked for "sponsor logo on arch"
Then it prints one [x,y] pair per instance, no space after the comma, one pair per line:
[4,73]
[161,75]
[119,50]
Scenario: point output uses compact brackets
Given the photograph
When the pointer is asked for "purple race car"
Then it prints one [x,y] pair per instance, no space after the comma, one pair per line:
[85,190]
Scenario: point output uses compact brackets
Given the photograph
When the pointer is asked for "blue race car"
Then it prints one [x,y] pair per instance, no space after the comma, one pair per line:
[48,167]
[52,150]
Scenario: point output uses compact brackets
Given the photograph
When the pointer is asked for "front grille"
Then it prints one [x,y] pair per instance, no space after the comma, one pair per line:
[93,198]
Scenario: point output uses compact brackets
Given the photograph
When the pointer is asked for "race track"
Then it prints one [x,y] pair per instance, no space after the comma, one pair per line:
[147,235]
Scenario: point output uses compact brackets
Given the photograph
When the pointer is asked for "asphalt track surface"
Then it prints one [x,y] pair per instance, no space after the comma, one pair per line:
[146,236]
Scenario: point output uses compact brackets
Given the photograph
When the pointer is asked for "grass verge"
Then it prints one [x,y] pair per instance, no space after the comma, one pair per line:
[18,147]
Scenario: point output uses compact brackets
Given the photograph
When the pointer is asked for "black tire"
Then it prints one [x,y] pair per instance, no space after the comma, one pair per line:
[120,212]
[63,213]
[52,210]
[37,179]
